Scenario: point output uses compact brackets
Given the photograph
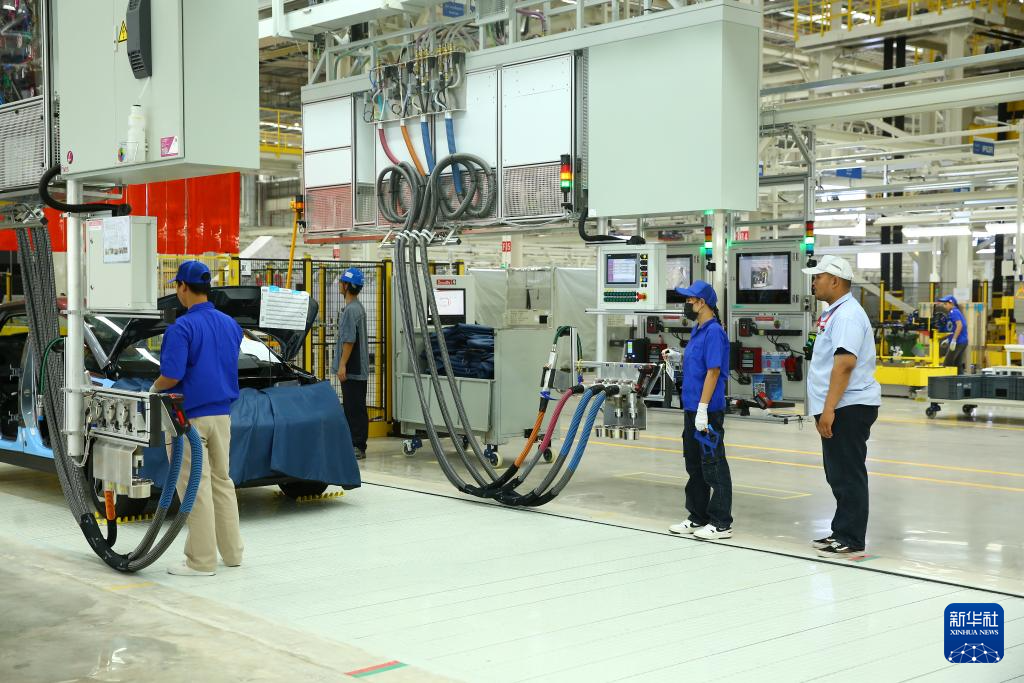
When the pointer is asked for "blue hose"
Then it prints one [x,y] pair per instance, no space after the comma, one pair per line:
[195,473]
[449,125]
[177,455]
[425,131]
[574,425]
[587,429]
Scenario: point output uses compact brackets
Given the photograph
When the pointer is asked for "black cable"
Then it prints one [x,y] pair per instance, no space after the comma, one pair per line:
[48,199]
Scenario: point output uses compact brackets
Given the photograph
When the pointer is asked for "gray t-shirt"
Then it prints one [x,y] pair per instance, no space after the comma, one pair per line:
[352,330]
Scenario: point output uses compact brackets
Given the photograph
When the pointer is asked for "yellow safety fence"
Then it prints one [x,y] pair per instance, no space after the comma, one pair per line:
[821,16]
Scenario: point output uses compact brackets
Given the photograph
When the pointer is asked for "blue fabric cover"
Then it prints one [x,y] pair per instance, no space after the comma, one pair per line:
[293,431]
[470,348]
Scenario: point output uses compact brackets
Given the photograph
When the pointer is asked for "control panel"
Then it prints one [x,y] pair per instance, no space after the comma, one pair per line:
[631,277]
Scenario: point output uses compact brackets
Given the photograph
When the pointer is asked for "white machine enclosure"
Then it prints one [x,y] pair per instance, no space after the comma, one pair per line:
[123,266]
[631,277]
[200,103]
[495,407]
[769,306]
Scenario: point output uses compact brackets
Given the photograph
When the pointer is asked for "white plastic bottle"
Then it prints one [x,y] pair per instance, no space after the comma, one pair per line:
[136,143]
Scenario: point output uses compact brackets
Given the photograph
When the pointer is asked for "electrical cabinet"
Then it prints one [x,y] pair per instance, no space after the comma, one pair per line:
[196,113]
[123,267]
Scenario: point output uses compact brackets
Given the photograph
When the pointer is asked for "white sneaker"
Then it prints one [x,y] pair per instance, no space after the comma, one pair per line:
[684,527]
[712,533]
[185,570]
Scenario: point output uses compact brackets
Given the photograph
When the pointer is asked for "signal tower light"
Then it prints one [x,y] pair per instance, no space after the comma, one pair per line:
[565,180]
[809,243]
[708,254]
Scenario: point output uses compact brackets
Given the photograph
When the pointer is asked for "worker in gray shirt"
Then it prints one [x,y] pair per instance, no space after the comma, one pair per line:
[352,359]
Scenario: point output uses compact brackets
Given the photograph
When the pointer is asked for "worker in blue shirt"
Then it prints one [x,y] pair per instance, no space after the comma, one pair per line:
[705,370]
[199,359]
[958,334]
[352,359]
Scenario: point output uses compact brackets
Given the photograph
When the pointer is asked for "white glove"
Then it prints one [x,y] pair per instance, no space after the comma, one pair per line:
[672,356]
[952,346]
[152,388]
[701,421]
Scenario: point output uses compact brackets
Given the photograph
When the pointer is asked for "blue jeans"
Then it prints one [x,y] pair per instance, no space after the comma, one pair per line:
[709,489]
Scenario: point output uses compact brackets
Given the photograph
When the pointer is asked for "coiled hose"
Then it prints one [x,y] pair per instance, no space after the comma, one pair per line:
[449,126]
[428,149]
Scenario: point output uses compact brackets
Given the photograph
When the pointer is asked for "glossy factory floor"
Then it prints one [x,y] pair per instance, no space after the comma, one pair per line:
[402,581]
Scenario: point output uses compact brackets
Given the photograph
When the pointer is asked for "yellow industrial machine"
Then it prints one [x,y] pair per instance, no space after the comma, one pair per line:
[900,371]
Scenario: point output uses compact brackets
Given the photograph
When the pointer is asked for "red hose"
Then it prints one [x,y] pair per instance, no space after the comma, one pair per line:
[546,443]
[384,144]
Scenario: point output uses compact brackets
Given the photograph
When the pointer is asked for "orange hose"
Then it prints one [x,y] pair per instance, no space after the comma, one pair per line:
[532,440]
[412,150]
[108,499]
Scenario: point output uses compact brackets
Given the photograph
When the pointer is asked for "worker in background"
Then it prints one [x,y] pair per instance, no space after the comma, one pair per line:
[957,334]
[352,359]
[199,359]
[705,369]
[843,396]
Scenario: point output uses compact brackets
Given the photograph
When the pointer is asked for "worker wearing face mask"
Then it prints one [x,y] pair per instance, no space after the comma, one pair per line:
[705,369]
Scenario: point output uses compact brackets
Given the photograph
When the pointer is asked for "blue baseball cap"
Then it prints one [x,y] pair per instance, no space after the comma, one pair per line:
[700,290]
[352,276]
[949,299]
[192,273]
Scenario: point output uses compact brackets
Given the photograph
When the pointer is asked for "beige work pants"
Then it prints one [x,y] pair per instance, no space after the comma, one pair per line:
[213,523]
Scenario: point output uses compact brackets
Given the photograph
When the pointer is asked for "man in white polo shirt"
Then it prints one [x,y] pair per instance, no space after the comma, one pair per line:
[843,396]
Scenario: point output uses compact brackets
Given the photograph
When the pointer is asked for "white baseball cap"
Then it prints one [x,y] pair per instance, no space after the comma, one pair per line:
[833,265]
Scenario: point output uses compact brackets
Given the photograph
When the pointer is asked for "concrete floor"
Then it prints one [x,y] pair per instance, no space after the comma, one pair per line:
[401,581]
[946,493]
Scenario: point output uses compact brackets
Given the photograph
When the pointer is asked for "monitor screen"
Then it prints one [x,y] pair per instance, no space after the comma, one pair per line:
[451,305]
[621,269]
[763,278]
[678,273]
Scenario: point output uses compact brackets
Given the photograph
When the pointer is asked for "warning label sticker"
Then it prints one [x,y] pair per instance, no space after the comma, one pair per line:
[122,33]
[169,146]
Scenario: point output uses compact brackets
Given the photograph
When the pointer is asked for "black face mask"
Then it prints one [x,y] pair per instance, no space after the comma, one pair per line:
[688,311]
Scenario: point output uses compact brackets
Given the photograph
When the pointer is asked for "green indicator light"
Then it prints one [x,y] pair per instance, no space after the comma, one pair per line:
[709,212]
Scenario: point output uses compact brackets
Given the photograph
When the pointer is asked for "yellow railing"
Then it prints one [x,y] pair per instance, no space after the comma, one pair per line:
[819,16]
[280,131]
[223,268]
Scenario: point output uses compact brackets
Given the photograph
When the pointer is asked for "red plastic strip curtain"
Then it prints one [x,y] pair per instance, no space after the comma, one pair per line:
[194,216]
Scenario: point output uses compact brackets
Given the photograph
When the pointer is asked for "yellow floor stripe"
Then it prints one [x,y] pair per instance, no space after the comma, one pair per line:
[130,586]
[770,449]
[950,423]
[657,478]
[948,482]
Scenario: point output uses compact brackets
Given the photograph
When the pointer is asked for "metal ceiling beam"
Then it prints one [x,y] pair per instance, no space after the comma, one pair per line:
[954,94]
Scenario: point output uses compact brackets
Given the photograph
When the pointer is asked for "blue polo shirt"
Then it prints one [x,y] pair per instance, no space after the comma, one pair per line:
[200,350]
[957,315]
[708,348]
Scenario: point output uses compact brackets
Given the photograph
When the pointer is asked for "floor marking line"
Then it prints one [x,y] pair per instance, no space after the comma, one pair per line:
[632,475]
[130,586]
[655,480]
[771,449]
[376,669]
[949,482]
[1005,428]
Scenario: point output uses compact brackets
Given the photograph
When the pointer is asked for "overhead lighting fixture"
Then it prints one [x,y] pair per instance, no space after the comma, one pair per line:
[989,250]
[1001,228]
[938,231]
[913,219]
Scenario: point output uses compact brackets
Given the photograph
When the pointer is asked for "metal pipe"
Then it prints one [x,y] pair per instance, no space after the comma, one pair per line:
[74,355]
[920,71]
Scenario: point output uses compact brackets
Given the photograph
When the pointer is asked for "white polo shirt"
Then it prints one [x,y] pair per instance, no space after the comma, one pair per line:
[845,325]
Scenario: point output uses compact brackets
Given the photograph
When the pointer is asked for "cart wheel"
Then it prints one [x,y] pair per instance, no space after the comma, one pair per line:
[465,442]
[492,455]
[408,448]
[930,412]
[548,455]
[969,410]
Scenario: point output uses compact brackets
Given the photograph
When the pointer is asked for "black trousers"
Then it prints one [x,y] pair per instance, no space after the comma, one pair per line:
[353,396]
[845,456]
[709,487]
[955,358]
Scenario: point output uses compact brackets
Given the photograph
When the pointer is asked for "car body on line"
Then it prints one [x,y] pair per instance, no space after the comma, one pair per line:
[288,428]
